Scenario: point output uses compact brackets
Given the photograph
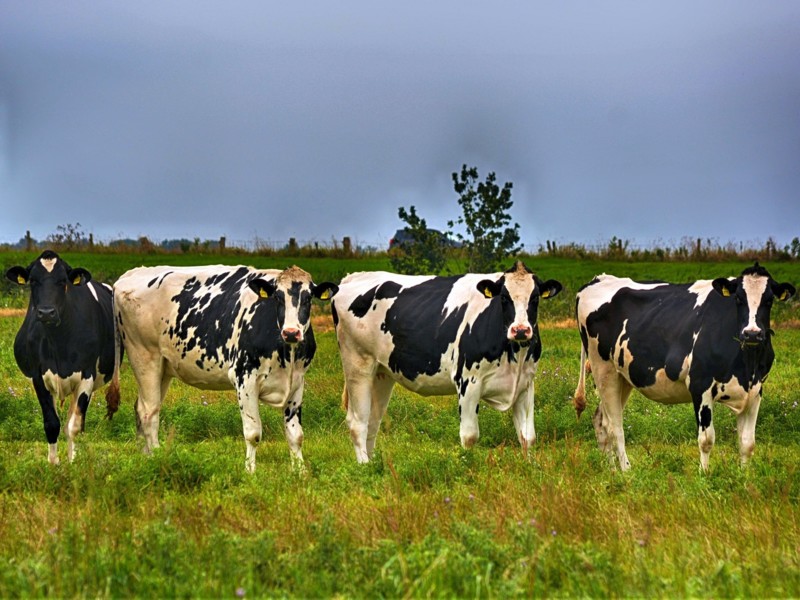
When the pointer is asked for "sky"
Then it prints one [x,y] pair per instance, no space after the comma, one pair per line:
[650,121]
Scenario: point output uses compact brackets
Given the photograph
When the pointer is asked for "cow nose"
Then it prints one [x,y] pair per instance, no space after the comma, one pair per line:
[521,333]
[291,335]
[753,336]
[46,314]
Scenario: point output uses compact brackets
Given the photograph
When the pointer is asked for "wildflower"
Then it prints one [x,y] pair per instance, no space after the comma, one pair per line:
[240,592]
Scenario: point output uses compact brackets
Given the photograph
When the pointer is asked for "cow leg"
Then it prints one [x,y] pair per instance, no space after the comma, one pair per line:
[381,393]
[52,424]
[746,426]
[468,413]
[705,427]
[523,420]
[153,383]
[358,415]
[293,428]
[251,420]
[614,391]
[77,414]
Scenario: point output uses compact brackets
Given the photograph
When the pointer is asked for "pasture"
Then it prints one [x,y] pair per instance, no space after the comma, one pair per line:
[425,518]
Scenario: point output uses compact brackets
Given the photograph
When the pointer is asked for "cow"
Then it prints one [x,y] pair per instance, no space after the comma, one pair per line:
[66,344]
[220,328]
[703,342]
[473,335]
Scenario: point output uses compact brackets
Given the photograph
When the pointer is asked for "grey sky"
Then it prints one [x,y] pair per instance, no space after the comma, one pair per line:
[316,120]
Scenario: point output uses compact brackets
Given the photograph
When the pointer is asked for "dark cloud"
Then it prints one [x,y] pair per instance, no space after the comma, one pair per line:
[245,120]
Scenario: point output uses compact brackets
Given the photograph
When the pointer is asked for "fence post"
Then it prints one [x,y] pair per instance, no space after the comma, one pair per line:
[222,244]
[346,245]
[28,241]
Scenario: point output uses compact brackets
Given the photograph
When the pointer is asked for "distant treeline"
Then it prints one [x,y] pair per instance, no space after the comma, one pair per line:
[688,249]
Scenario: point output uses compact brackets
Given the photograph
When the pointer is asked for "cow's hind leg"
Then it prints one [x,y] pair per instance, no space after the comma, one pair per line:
[153,383]
[381,393]
[614,391]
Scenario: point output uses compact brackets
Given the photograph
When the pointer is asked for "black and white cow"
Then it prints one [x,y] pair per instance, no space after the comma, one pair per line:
[220,328]
[703,342]
[66,343]
[474,335]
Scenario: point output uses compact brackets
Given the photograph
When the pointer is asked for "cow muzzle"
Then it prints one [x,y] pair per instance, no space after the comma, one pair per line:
[292,335]
[47,315]
[520,333]
[753,337]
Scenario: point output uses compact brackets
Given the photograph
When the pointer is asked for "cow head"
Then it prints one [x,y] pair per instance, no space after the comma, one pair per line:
[50,278]
[292,291]
[754,292]
[519,291]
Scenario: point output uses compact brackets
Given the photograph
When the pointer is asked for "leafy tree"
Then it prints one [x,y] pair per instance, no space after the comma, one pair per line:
[484,206]
[424,253]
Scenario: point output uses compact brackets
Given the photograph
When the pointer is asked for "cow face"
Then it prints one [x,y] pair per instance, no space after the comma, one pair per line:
[50,278]
[519,291]
[292,291]
[753,291]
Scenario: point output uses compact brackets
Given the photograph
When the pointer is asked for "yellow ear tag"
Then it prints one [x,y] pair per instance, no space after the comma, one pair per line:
[325,295]
[77,280]
[784,295]
[545,294]
[725,292]
[263,293]
[487,292]
[20,280]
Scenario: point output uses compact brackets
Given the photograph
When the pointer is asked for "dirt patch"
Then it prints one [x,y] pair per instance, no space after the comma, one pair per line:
[12,312]
[322,323]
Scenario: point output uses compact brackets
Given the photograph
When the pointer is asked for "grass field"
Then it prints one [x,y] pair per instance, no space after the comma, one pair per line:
[425,518]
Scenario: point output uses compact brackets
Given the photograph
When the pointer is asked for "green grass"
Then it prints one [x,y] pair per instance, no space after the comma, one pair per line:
[425,518]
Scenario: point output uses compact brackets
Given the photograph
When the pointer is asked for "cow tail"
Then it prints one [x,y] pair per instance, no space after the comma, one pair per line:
[112,393]
[579,400]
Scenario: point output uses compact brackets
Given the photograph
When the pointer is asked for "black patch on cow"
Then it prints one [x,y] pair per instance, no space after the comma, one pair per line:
[420,330]
[361,305]
[704,417]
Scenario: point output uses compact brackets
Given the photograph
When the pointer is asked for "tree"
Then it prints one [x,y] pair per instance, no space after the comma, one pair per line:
[484,206]
[67,237]
[423,253]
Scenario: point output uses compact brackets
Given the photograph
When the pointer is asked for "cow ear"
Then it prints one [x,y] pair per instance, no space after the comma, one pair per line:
[325,290]
[490,288]
[549,288]
[262,287]
[783,291]
[726,287]
[18,275]
[79,276]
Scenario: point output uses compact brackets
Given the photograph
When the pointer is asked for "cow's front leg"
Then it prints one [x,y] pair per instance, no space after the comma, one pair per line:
[746,427]
[359,405]
[251,420]
[293,428]
[77,414]
[468,413]
[705,427]
[523,419]
[52,424]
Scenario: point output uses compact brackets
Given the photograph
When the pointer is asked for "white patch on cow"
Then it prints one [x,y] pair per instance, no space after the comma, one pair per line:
[601,291]
[61,387]
[93,291]
[702,288]
[754,288]
[48,264]
[520,286]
